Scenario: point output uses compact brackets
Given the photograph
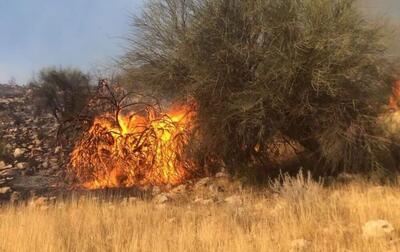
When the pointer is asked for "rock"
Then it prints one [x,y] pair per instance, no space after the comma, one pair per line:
[160,199]
[202,182]
[179,189]
[55,167]
[299,245]
[37,142]
[156,190]
[377,229]
[222,174]
[216,188]
[5,190]
[234,200]
[45,165]
[2,165]
[9,173]
[57,150]
[18,152]
[22,165]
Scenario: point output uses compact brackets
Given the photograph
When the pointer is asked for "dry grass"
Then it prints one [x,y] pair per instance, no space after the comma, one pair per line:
[330,218]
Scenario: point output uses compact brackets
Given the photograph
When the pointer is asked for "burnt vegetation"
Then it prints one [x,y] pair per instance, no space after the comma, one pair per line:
[309,73]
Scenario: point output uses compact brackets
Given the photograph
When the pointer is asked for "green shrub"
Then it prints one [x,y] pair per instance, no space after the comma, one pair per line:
[313,71]
[62,92]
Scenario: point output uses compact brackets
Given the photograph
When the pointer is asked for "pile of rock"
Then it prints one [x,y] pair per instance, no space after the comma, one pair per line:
[218,189]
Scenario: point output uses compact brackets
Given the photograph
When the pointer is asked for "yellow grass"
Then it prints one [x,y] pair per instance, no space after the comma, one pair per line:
[331,219]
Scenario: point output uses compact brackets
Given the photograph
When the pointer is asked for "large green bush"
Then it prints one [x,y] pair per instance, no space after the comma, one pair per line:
[311,71]
[62,92]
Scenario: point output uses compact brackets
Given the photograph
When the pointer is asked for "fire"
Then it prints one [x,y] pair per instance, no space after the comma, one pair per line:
[135,149]
[395,97]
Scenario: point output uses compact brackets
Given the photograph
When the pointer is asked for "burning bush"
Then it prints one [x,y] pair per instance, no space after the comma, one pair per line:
[314,71]
[133,143]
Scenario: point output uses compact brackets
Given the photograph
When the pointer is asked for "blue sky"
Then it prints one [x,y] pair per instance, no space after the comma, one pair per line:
[81,33]
[76,33]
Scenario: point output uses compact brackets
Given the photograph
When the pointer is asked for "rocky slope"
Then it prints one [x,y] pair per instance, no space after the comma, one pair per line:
[30,160]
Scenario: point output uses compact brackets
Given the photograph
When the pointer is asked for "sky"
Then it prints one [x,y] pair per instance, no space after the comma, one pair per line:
[387,9]
[71,33]
[82,33]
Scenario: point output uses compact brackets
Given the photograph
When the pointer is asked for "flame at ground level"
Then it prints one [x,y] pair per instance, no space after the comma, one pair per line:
[135,150]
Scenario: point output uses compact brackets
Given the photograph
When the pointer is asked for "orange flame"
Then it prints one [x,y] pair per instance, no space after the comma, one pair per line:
[395,97]
[135,150]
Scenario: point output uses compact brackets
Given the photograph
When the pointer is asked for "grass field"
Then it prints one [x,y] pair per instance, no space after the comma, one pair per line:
[329,219]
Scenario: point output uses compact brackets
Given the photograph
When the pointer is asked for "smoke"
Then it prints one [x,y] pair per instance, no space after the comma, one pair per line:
[388,8]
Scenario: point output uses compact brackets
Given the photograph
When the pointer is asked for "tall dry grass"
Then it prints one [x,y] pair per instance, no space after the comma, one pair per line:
[331,219]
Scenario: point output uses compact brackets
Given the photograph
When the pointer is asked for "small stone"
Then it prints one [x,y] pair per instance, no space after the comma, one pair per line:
[9,173]
[18,152]
[8,179]
[22,165]
[4,190]
[45,165]
[156,190]
[377,229]
[222,174]
[202,182]
[37,142]
[179,189]
[2,165]
[57,150]
[216,188]
[55,167]
[299,245]
[234,200]
[161,199]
